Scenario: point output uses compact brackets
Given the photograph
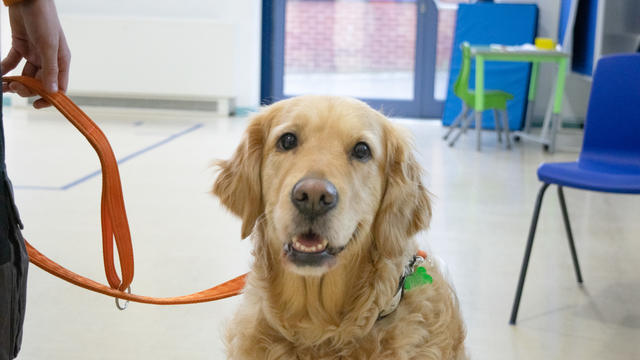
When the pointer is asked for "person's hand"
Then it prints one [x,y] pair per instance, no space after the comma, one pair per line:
[37,36]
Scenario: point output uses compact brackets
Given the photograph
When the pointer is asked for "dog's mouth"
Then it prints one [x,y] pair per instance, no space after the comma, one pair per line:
[309,243]
[310,249]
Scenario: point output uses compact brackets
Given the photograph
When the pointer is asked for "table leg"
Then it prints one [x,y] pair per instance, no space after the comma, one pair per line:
[529,116]
[497,122]
[557,103]
[478,130]
[479,100]
[555,125]
[533,87]
[505,120]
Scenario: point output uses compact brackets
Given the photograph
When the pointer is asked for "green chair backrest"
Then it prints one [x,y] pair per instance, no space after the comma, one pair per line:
[461,86]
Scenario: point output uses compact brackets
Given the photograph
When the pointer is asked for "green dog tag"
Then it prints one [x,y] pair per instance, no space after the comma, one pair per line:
[418,278]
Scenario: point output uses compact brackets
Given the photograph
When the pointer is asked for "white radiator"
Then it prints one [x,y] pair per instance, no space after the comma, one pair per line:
[152,59]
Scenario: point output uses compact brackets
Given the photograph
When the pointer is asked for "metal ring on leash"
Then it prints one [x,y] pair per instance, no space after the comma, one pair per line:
[126,303]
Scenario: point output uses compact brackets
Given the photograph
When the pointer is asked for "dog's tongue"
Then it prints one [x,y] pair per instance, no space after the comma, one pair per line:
[309,239]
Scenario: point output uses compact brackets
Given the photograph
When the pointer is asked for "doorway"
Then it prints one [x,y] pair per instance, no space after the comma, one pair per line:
[380,51]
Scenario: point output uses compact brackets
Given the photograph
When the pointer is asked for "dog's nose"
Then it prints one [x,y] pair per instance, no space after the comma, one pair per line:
[314,197]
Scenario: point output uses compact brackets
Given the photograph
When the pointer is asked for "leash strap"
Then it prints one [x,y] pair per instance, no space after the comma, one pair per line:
[115,226]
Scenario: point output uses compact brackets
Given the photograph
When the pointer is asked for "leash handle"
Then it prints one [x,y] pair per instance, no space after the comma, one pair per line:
[115,226]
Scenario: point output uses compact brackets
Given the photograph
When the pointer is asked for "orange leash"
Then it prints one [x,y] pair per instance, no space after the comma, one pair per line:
[115,227]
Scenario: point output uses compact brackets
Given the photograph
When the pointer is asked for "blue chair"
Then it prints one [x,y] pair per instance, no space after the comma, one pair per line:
[610,156]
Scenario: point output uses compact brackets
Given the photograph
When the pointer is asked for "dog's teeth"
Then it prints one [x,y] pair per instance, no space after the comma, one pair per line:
[296,244]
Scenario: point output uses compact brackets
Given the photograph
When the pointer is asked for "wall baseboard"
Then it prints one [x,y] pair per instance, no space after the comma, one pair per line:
[567,123]
[221,107]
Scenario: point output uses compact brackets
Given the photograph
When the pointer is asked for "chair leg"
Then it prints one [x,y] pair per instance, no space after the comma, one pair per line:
[478,116]
[464,130]
[465,125]
[527,254]
[505,127]
[456,121]
[496,119]
[567,226]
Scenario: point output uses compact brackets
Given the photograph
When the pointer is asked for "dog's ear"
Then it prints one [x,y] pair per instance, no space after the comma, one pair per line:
[405,208]
[239,183]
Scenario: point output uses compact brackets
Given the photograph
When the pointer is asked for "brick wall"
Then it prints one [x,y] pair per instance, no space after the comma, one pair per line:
[350,36]
[446,30]
[359,36]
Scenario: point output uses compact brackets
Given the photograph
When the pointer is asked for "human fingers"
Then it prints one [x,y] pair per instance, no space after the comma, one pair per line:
[41,103]
[64,63]
[20,89]
[10,61]
[30,69]
[49,67]
[23,91]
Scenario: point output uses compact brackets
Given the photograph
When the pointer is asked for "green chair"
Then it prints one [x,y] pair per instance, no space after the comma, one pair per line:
[493,100]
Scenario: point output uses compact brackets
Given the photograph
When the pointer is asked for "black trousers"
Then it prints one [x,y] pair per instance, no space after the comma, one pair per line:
[13,265]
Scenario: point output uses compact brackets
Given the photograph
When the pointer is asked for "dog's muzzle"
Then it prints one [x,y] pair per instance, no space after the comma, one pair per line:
[313,198]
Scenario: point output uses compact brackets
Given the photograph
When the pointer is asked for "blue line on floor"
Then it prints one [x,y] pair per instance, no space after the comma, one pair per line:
[159,143]
[80,180]
[120,161]
[35,187]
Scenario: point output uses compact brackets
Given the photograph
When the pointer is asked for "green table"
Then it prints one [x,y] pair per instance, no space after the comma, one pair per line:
[535,56]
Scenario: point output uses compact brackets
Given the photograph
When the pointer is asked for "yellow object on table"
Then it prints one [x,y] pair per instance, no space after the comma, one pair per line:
[545,43]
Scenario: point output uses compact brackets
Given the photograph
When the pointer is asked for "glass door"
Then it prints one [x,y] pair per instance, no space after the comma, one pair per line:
[380,51]
[447,12]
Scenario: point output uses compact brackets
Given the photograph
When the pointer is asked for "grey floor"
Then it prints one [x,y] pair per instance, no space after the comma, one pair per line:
[184,241]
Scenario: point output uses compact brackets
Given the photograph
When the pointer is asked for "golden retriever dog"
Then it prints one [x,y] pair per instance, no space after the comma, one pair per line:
[332,196]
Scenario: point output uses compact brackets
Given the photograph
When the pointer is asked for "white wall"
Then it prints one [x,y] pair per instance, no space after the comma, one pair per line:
[246,14]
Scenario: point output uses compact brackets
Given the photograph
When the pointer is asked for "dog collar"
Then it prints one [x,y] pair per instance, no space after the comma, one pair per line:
[413,275]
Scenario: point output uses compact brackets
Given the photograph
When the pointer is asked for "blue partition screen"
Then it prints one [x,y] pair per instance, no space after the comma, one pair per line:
[584,37]
[485,24]
[565,11]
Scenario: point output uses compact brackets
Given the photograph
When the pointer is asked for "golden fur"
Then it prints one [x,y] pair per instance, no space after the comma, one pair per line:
[331,312]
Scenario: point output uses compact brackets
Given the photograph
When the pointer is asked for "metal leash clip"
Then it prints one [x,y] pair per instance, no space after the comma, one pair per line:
[126,303]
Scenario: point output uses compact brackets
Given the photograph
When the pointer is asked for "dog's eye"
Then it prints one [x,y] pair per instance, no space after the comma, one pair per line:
[361,151]
[287,142]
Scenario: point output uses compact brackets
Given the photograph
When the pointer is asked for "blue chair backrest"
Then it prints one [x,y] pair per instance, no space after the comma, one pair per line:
[612,126]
